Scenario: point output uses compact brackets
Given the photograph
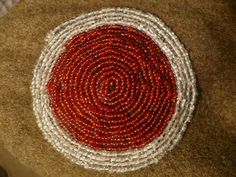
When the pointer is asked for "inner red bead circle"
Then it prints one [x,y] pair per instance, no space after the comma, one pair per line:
[112,88]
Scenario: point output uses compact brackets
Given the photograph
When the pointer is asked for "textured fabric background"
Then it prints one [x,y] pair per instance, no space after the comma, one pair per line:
[5,6]
[207,29]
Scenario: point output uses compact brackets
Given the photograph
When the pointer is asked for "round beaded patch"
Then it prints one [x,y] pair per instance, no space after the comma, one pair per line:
[113,89]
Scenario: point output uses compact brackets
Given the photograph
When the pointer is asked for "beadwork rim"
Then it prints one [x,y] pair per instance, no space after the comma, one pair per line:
[105,160]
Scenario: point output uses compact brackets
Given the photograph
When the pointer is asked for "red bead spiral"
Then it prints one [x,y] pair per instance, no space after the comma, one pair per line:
[112,89]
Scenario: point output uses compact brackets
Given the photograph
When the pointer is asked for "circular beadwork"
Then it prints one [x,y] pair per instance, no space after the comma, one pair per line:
[113,89]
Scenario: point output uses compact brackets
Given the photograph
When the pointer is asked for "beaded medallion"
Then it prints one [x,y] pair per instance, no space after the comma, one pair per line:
[113,89]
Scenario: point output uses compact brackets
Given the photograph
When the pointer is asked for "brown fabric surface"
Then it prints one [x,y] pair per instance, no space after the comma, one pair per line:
[6,5]
[207,29]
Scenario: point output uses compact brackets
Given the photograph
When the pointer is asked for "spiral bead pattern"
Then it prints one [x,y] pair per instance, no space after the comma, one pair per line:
[113,89]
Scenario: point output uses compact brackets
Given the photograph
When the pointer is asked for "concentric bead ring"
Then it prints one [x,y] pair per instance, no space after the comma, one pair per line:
[113,89]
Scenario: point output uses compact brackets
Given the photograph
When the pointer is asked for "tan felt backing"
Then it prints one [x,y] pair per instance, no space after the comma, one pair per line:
[206,28]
